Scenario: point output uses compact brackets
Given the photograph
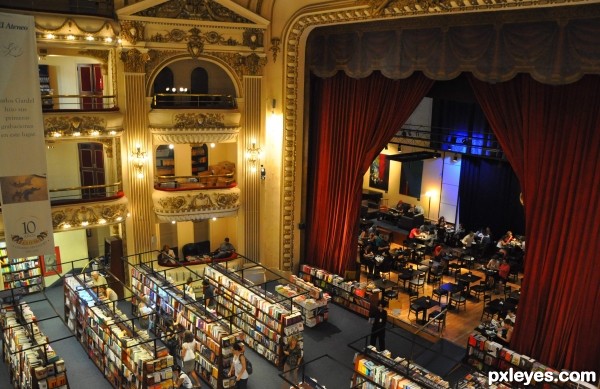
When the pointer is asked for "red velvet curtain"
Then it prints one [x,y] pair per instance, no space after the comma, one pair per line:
[551,136]
[354,119]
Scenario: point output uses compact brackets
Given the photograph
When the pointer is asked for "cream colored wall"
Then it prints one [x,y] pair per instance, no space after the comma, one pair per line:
[63,165]
[73,246]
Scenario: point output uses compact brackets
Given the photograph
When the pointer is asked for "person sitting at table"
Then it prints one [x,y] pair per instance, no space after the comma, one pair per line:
[399,206]
[418,210]
[506,239]
[504,333]
[493,263]
[381,243]
[363,238]
[510,315]
[503,271]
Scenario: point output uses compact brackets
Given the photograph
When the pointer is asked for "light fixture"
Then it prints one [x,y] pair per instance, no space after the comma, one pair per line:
[455,158]
[171,146]
[138,160]
[399,148]
[263,172]
[273,105]
[212,145]
[253,154]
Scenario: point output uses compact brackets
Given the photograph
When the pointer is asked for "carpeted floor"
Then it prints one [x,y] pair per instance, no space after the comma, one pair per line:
[330,343]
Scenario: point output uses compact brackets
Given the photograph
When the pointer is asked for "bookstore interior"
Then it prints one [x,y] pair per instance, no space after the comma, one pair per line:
[182,124]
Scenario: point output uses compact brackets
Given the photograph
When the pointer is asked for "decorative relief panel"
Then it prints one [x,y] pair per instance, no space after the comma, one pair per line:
[196,204]
[88,215]
[208,10]
[177,35]
[134,60]
[83,126]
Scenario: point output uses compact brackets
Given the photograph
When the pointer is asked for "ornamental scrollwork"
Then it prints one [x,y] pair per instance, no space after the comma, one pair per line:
[193,10]
[132,31]
[74,125]
[199,120]
[134,60]
[177,35]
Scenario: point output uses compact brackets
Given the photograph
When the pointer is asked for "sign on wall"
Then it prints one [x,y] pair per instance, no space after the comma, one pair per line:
[23,184]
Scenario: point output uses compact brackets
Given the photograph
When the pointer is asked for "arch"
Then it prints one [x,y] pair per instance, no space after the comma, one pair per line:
[223,65]
[163,80]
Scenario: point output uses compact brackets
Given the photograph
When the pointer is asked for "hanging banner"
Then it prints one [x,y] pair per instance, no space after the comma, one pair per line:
[23,185]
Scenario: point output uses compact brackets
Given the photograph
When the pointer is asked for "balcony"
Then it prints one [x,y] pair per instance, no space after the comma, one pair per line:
[187,198]
[76,103]
[87,206]
[194,118]
[83,125]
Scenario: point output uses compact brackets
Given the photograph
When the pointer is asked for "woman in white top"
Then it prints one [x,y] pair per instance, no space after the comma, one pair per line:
[238,367]
[188,351]
[189,289]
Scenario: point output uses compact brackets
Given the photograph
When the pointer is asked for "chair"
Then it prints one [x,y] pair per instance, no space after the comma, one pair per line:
[488,312]
[513,275]
[390,295]
[439,293]
[507,290]
[438,318]
[469,261]
[417,284]
[459,300]
[412,307]
[385,268]
[479,289]
[435,277]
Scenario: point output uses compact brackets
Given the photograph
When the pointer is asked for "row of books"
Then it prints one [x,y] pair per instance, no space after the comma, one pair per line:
[22,274]
[32,361]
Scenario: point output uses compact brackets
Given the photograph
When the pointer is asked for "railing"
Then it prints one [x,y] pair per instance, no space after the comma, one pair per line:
[81,7]
[212,181]
[193,100]
[78,102]
[85,193]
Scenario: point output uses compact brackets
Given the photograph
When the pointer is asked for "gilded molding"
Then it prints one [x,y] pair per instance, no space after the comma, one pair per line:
[77,216]
[208,10]
[59,126]
[253,38]
[275,49]
[195,204]
[199,120]
[157,57]
[102,55]
[134,60]
[177,35]
[69,25]
[250,65]
[132,31]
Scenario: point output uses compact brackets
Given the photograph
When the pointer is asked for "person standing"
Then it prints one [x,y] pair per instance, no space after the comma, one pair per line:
[189,289]
[378,328]
[293,359]
[238,367]
[208,292]
[188,352]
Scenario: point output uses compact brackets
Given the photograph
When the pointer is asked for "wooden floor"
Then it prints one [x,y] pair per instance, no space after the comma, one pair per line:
[459,324]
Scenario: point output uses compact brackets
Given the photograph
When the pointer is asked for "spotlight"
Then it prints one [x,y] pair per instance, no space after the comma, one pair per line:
[399,148]
[455,158]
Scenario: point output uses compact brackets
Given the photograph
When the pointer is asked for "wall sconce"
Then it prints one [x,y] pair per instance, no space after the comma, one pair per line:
[263,172]
[253,154]
[138,160]
[273,105]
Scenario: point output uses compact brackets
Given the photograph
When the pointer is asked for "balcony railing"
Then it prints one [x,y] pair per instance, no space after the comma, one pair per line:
[193,100]
[80,7]
[53,103]
[83,194]
[211,181]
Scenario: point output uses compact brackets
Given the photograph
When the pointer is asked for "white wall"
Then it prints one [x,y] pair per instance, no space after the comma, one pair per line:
[63,166]
[72,246]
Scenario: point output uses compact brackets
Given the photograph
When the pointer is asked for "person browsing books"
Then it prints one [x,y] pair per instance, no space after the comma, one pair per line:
[238,367]
[180,379]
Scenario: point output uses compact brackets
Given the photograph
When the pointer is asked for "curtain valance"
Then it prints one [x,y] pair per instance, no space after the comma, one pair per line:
[552,51]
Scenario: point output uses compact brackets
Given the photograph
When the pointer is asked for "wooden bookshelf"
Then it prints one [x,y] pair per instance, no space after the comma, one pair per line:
[23,273]
[265,319]
[121,352]
[32,362]
[214,335]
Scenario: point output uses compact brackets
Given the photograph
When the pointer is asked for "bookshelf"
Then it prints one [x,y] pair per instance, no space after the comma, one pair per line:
[24,273]
[199,159]
[309,299]
[214,335]
[265,319]
[165,161]
[485,355]
[32,362]
[373,367]
[125,355]
[351,295]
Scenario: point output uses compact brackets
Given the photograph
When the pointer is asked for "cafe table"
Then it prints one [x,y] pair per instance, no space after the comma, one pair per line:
[423,304]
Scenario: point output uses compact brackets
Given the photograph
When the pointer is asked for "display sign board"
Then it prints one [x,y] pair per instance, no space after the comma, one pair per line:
[23,183]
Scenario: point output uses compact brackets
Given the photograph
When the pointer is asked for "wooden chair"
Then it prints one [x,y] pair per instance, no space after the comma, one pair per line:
[488,312]
[417,284]
[439,319]
[458,300]
[479,289]
[439,293]
[412,307]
